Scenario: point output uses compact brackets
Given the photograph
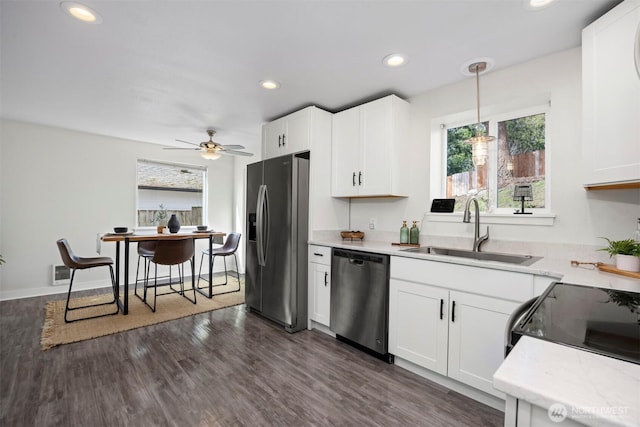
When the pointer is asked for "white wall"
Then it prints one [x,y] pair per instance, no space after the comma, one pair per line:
[581,216]
[60,183]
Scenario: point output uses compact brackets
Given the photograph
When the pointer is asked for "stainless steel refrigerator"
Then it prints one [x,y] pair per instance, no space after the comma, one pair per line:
[276,243]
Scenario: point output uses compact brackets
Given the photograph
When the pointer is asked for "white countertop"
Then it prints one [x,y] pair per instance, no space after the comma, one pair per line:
[596,390]
[560,269]
[544,373]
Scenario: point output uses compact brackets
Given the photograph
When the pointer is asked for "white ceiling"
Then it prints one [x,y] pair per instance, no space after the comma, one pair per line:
[155,71]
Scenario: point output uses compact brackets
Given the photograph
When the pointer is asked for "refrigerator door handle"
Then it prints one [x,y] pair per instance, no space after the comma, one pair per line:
[260,224]
[265,225]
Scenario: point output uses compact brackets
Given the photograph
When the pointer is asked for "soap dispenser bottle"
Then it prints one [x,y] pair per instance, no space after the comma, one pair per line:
[414,234]
[404,233]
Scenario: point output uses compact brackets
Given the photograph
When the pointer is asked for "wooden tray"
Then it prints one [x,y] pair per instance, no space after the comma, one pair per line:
[409,245]
[610,268]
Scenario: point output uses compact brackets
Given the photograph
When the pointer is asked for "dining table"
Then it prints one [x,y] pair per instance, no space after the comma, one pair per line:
[127,238]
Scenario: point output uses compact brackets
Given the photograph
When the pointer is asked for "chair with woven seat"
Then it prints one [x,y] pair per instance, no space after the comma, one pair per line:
[228,249]
[173,252]
[75,262]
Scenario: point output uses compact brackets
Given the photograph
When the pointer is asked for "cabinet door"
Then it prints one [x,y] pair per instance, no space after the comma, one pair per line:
[298,131]
[320,279]
[322,308]
[476,338]
[611,96]
[345,153]
[375,148]
[418,324]
[272,134]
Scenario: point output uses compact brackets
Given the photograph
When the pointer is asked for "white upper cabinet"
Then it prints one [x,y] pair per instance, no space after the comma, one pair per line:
[368,142]
[289,134]
[611,97]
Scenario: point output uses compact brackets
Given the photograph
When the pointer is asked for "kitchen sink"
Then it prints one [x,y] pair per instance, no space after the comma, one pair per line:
[483,256]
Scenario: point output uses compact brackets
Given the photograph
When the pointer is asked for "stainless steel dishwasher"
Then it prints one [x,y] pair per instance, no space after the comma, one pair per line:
[360,300]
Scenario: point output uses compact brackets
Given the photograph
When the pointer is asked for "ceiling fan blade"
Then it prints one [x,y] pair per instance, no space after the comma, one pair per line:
[187,142]
[233,147]
[235,153]
[175,148]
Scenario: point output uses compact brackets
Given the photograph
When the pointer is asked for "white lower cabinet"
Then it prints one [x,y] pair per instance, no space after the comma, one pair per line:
[438,320]
[418,332]
[476,338]
[319,284]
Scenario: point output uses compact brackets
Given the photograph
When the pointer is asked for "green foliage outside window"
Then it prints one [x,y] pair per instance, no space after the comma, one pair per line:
[459,157]
[525,134]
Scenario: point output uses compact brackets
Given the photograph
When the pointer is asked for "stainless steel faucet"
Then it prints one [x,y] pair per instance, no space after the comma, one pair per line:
[477,240]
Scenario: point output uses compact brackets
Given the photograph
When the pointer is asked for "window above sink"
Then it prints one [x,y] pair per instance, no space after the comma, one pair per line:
[517,156]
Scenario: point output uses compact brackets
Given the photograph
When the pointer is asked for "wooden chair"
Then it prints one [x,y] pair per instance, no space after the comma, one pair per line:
[170,252]
[228,249]
[80,263]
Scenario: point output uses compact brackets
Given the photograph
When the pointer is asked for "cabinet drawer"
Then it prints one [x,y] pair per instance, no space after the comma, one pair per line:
[320,254]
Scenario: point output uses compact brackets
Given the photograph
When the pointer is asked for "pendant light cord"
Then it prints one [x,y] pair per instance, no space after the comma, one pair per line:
[477,66]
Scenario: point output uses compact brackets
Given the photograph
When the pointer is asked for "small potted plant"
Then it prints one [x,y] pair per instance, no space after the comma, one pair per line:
[161,218]
[627,253]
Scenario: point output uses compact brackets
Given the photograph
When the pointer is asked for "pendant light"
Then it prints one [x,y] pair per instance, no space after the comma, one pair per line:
[480,142]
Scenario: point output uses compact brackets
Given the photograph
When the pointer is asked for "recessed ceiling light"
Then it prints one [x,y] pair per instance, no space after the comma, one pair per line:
[394,60]
[269,84]
[81,12]
[536,4]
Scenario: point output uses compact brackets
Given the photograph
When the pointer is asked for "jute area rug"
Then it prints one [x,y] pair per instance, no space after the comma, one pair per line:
[168,307]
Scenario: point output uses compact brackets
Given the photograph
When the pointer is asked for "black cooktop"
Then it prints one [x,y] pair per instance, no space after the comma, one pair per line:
[603,321]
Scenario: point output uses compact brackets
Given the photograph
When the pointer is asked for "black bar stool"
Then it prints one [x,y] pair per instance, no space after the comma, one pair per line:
[170,252]
[228,249]
[79,263]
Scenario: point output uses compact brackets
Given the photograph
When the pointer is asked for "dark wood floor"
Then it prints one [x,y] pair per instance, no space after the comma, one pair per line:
[222,368]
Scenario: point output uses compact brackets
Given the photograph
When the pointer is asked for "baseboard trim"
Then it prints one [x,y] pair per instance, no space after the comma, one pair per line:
[51,290]
[454,385]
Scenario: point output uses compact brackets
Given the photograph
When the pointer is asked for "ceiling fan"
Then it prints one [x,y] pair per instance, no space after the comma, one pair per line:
[212,150]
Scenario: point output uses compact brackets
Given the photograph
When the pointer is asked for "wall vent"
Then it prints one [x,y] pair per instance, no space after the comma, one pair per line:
[60,275]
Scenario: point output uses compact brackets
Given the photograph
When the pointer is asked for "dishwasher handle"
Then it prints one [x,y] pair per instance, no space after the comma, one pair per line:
[359,258]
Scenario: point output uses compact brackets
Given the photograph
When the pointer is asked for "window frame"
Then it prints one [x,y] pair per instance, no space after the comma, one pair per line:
[493,114]
[205,192]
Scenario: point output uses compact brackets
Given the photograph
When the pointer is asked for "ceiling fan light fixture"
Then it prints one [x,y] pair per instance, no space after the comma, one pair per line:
[269,84]
[210,155]
[81,12]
